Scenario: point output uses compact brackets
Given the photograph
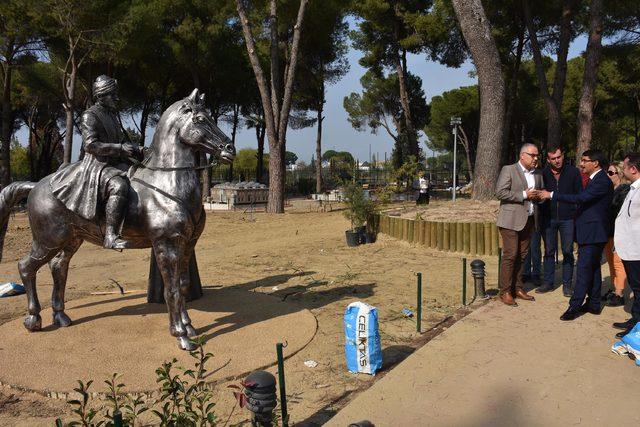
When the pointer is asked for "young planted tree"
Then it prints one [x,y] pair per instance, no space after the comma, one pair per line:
[276,97]
[476,30]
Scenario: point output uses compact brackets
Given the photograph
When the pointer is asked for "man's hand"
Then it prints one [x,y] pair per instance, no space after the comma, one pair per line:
[543,194]
[131,151]
[532,194]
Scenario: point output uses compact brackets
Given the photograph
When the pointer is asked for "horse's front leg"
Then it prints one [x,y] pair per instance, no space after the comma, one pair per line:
[185,284]
[170,256]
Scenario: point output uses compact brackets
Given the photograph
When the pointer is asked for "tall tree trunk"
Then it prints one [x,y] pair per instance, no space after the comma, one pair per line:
[275,121]
[401,70]
[318,159]
[467,149]
[476,30]
[553,101]
[69,81]
[144,120]
[590,79]
[234,132]
[274,50]
[7,123]
[512,92]
[636,109]
[260,133]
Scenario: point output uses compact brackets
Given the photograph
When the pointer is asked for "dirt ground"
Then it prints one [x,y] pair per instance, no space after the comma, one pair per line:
[300,256]
[463,210]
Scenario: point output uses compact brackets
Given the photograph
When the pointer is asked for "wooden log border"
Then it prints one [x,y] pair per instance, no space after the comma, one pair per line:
[470,238]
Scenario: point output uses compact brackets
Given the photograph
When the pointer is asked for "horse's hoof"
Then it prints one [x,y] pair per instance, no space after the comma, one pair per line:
[61,319]
[185,343]
[191,331]
[33,322]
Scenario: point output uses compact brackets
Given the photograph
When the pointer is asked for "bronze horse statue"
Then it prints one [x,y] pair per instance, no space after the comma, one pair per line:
[164,212]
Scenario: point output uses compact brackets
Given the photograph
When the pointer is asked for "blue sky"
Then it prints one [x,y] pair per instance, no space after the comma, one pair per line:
[337,132]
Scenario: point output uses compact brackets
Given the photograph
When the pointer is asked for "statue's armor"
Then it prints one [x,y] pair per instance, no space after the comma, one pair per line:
[83,184]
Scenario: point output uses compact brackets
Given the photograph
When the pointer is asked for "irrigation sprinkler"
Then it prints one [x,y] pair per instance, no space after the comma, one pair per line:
[478,272]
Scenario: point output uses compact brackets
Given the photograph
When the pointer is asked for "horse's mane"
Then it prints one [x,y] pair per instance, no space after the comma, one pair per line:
[192,103]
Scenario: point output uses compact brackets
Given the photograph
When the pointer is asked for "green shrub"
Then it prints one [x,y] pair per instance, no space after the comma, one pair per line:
[185,398]
[359,209]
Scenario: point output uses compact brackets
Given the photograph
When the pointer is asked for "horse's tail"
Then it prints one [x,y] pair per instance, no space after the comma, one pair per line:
[9,196]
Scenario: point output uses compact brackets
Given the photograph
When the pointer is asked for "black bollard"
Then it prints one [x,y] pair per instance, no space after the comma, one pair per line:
[260,391]
[477,270]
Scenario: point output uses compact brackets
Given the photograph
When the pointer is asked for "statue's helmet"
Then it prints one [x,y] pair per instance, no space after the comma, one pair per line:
[104,85]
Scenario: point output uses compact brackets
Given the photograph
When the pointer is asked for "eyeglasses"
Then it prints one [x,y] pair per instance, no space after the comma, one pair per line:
[611,173]
[587,160]
[534,156]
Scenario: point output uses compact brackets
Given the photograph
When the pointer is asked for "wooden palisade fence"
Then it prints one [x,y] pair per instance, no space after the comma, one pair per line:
[473,238]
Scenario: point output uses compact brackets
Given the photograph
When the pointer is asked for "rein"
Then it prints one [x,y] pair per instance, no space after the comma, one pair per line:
[142,165]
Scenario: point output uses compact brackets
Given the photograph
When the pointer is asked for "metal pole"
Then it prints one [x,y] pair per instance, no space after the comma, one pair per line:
[283,392]
[419,305]
[464,281]
[455,151]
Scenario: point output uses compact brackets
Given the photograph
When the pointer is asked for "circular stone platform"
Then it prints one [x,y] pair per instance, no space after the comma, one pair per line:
[125,335]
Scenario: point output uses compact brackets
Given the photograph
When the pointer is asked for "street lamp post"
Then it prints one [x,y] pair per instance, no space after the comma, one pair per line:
[455,122]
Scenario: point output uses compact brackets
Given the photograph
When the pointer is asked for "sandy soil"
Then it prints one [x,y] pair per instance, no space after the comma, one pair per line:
[299,256]
[463,210]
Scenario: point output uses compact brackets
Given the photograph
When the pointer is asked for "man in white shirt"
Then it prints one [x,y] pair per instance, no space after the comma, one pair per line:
[627,238]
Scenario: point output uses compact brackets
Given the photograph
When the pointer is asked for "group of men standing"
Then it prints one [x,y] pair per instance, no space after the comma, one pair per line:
[576,205]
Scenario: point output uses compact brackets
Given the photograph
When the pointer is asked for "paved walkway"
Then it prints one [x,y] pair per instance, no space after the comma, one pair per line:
[503,366]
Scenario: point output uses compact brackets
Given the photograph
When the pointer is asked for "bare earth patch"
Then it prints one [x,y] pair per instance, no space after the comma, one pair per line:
[463,210]
[300,257]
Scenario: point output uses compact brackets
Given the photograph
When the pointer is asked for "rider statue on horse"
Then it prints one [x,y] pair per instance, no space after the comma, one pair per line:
[99,178]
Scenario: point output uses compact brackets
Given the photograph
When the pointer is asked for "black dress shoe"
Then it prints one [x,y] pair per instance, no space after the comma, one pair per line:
[588,309]
[614,300]
[623,333]
[571,314]
[628,324]
[544,289]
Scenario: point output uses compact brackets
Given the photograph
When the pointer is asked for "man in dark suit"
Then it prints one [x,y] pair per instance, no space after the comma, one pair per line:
[592,232]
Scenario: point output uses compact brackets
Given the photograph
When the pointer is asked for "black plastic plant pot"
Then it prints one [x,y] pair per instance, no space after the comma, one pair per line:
[353,238]
[370,237]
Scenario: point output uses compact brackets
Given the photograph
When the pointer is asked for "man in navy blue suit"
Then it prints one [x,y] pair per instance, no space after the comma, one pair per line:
[592,231]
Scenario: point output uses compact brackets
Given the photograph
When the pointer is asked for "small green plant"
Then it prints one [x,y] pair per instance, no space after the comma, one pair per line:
[185,398]
[356,204]
[408,172]
[81,408]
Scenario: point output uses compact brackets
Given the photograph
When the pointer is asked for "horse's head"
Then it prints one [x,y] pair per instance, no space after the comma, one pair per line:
[198,130]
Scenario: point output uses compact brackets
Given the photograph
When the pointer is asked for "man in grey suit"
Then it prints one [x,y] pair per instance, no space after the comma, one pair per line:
[517,219]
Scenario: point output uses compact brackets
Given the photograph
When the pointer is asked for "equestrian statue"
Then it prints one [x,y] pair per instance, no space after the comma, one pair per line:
[112,199]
